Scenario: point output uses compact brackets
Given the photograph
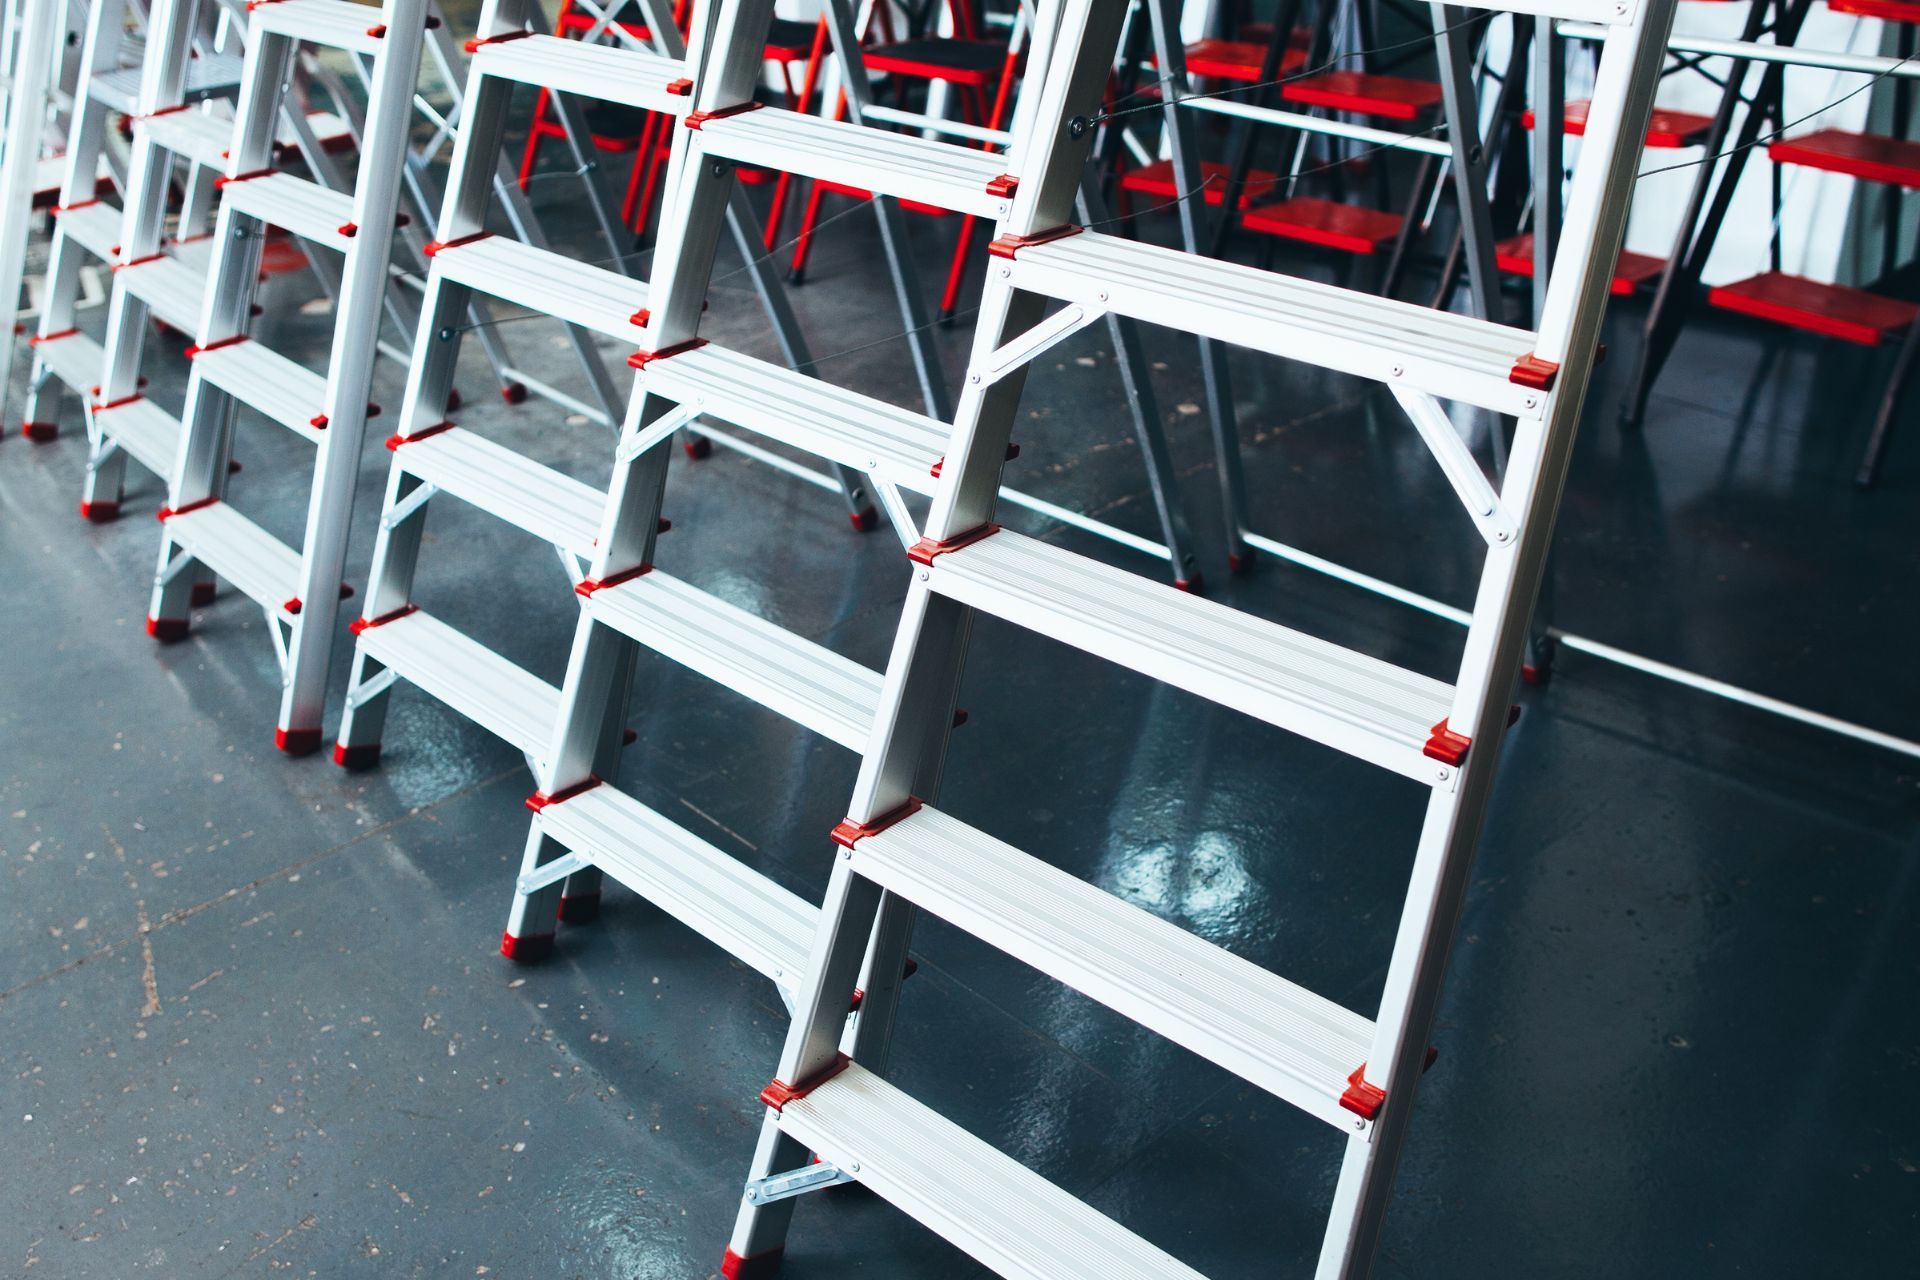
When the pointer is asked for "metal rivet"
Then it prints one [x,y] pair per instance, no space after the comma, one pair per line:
[1442,774]
[1531,402]
[853,1166]
[1359,1126]
[924,575]
[1398,371]
[974,378]
[1501,536]
[1006,273]
[1102,295]
[846,855]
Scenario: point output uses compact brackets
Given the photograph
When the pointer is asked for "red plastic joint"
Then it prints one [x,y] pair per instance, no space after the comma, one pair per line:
[1447,746]
[224,181]
[138,262]
[779,1093]
[1532,371]
[526,950]
[1002,186]
[364,755]
[349,229]
[436,246]
[378,31]
[1007,246]
[641,359]
[100,512]
[39,338]
[760,1266]
[698,118]
[40,432]
[297,742]
[115,404]
[580,908]
[165,514]
[77,204]
[587,586]
[478,43]
[1361,1098]
[392,615]
[195,350]
[395,441]
[923,551]
[541,799]
[680,88]
[163,111]
[848,833]
[167,630]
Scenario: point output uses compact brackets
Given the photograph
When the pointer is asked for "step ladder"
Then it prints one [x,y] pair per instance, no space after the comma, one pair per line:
[202,533]
[395,639]
[33,39]
[898,853]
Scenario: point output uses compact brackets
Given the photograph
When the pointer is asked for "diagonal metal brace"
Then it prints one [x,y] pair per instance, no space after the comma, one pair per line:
[1457,463]
[1035,342]
[661,429]
[796,1182]
[547,872]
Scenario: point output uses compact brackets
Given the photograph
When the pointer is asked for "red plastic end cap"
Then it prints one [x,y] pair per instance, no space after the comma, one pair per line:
[100,512]
[477,43]
[761,1266]
[1532,371]
[39,432]
[587,586]
[167,630]
[1008,246]
[364,756]
[297,742]
[641,359]
[848,833]
[514,393]
[698,118]
[1361,1098]
[363,624]
[165,514]
[865,520]
[1534,675]
[1196,585]
[526,950]
[628,737]
[436,246]
[779,1093]
[959,716]
[924,551]
[395,441]
[581,908]
[349,230]
[233,466]
[697,447]
[203,593]
[1447,746]
[540,799]
[1003,186]
[680,88]
[453,401]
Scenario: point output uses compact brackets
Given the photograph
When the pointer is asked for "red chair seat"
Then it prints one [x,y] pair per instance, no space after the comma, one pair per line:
[976,63]
[1350,228]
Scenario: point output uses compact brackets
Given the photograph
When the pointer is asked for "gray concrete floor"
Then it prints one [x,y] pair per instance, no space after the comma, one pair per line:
[253,1019]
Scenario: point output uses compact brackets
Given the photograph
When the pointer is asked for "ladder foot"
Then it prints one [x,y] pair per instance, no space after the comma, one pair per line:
[757,1267]
[1240,561]
[100,512]
[526,950]
[1536,675]
[453,400]
[1196,585]
[233,466]
[629,736]
[356,758]
[203,593]
[167,630]
[40,432]
[581,908]
[865,520]
[514,393]
[697,447]
[297,742]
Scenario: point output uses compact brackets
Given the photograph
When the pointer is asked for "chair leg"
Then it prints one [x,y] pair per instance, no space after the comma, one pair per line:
[531,155]
[1883,421]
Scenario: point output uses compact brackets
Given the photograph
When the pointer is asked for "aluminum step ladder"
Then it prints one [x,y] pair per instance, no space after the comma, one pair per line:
[898,853]
[297,588]
[395,640]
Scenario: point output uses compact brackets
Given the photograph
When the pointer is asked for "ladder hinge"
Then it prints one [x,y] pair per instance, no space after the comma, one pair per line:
[541,799]
[165,514]
[784,1186]
[360,625]
[1007,246]
[436,246]
[641,359]
[395,441]
[923,551]
[779,1093]
[699,118]
[587,586]
[1532,371]
[847,832]
[478,43]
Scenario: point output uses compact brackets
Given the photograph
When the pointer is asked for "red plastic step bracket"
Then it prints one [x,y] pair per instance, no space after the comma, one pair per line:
[1447,746]
[436,246]
[924,551]
[587,586]
[477,43]
[698,118]
[641,359]
[194,351]
[1007,246]
[395,441]
[165,514]
[1532,371]
[541,799]
[779,1093]
[847,833]
[392,615]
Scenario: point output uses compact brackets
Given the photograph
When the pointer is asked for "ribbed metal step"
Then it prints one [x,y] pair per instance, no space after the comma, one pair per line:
[95,227]
[197,134]
[891,444]
[307,209]
[171,287]
[76,360]
[149,434]
[1347,700]
[810,685]
[1451,356]
[749,916]
[499,696]
[602,300]
[941,174]
[207,72]
[988,1204]
[260,377]
[605,72]
[256,563]
[335,23]
[553,507]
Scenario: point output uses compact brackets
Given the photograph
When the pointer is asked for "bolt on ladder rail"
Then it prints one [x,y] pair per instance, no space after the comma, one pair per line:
[899,854]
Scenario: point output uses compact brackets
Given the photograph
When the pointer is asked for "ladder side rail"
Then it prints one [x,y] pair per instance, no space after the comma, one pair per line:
[1468,168]
[33,69]
[1597,212]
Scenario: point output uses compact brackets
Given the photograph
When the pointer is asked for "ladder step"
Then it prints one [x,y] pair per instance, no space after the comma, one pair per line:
[50,176]
[893,445]
[805,682]
[1157,179]
[207,73]
[1452,356]
[749,916]
[94,227]
[1350,228]
[335,23]
[261,566]
[607,73]
[984,1202]
[1275,1034]
[1359,93]
[76,360]
[1832,310]
[553,507]
[1869,156]
[1347,700]
[598,299]
[171,286]
[501,697]
[1514,256]
[200,135]
[940,174]
[1665,129]
[263,379]
[307,209]
[149,434]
